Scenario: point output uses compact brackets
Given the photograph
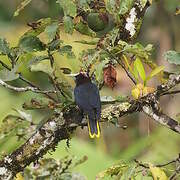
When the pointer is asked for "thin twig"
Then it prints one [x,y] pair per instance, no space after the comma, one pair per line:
[127,72]
[51,58]
[177,171]
[29,83]
[158,165]
[123,66]
[165,164]
[24,89]
[56,86]
[170,92]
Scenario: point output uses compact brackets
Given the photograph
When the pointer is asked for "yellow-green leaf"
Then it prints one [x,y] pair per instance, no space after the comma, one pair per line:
[135,73]
[43,66]
[127,64]
[4,46]
[51,30]
[19,177]
[68,24]
[157,173]
[172,57]
[69,7]
[140,68]
[155,72]
[136,93]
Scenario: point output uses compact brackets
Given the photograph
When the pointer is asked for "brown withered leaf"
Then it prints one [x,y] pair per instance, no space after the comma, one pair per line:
[110,75]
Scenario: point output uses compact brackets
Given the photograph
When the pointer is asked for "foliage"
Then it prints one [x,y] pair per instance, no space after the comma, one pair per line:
[102,22]
[134,170]
[20,125]
[49,168]
[172,57]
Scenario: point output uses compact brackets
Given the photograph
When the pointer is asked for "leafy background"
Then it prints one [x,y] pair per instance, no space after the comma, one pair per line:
[143,139]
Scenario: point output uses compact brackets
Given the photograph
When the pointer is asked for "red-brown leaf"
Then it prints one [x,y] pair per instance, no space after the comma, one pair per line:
[110,76]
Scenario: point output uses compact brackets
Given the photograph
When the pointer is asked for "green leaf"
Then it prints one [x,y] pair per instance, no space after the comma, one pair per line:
[69,7]
[54,45]
[24,115]
[155,72]
[148,48]
[68,24]
[23,4]
[99,70]
[51,30]
[7,75]
[130,172]
[172,57]
[110,6]
[43,66]
[37,103]
[125,6]
[8,125]
[115,170]
[84,4]
[136,49]
[97,21]
[4,47]
[140,68]
[31,43]
[67,50]
[87,42]
[135,73]
[38,27]
[15,53]
[37,59]
[84,29]
[157,173]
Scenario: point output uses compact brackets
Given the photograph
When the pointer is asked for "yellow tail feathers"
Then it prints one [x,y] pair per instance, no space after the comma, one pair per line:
[98,130]
[93,135]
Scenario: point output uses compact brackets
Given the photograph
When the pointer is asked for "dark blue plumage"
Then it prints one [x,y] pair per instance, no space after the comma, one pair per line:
[88,100]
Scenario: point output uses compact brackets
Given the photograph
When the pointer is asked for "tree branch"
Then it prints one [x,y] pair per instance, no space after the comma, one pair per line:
[57,128]
[172,82]
[24,89]
[28,82]
[145,165]
[170,93]
[60,127]
[152,108]
[174,161]
[162,118]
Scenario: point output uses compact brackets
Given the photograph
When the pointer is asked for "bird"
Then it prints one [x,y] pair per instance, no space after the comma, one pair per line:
[87,98]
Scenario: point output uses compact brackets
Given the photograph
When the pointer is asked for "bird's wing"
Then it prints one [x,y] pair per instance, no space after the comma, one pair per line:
[94,99]
[81,97]
[87,96]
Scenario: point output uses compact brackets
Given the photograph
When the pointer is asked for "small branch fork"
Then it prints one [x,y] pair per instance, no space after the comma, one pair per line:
[176,162]
[32,86]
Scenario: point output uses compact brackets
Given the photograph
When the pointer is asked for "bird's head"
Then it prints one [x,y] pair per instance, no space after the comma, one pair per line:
[82,78]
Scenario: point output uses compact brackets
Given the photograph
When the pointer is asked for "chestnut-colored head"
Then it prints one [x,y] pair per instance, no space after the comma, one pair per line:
[82,78]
